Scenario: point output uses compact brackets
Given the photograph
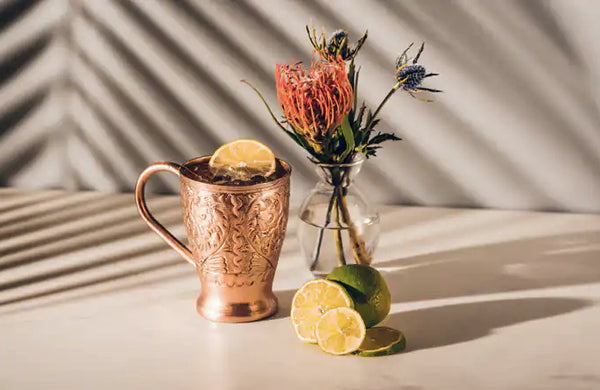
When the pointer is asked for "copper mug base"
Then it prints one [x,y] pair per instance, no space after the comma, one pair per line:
[235,235]
[253,303]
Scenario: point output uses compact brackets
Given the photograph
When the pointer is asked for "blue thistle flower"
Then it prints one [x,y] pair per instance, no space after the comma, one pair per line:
[411,75]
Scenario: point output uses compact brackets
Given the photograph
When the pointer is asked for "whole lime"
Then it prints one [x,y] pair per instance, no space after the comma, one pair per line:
[368,290]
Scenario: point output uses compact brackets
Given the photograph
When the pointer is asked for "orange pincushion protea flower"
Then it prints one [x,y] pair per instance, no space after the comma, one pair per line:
[315,100]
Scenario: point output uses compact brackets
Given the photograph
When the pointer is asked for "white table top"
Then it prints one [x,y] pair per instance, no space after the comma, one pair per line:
[90,298]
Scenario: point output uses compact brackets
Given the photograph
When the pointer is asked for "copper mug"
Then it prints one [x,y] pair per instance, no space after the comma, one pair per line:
[234,235]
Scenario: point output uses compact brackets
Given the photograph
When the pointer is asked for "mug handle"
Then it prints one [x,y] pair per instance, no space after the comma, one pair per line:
[140,200]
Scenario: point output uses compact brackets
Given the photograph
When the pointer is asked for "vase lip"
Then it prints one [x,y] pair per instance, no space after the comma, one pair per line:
[357,160]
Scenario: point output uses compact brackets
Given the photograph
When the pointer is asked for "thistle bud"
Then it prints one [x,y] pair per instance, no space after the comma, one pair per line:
[338,45]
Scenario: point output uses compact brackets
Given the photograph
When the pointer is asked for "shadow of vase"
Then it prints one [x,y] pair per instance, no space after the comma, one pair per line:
[540,262]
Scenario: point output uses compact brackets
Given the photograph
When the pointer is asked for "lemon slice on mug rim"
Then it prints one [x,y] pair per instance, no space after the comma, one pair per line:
[244,154]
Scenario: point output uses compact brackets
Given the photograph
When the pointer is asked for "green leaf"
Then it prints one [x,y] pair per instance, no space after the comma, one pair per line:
[310,37]
[360,134]
[374,123]
[294,135]
[359,44]
[371,151]
[382,137]
[268,108]
[368,120]
[348,138]
[361,113]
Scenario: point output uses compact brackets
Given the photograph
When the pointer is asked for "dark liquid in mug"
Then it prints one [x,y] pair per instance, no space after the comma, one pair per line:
[199,170]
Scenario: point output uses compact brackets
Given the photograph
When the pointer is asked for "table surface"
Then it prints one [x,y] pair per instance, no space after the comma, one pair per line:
[91,298]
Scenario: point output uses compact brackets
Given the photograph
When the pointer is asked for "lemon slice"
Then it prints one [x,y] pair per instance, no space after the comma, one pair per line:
[311,301]
[242,159]
[340,331]
[381,341]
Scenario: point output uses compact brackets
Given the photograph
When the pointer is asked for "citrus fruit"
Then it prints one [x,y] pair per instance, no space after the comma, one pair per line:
[380,341]
[368,290]
[340,331]
[243,158]
[311,301]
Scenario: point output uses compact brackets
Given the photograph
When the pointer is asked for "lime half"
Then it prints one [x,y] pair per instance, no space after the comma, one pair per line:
[368,290]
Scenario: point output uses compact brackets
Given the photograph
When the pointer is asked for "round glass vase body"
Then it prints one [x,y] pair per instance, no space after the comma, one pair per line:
[338,225]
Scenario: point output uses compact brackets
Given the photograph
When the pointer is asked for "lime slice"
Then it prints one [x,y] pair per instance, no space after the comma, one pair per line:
[340,331]
[242,159]
[381,341]
[311,301]
[368,290]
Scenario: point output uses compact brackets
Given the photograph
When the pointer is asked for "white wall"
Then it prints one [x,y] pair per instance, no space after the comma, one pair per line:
[92,91]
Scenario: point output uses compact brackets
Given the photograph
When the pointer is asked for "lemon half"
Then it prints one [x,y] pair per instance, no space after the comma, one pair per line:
[311,301]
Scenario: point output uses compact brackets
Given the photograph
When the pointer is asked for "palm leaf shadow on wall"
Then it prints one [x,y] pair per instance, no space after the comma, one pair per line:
[93,91]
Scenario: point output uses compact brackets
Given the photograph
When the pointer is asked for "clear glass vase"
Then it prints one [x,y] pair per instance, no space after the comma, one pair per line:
[338,225]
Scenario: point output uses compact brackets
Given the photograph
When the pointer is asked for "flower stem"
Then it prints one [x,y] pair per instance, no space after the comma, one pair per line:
[322,231]
[385,99]
[338,232]
[361,256]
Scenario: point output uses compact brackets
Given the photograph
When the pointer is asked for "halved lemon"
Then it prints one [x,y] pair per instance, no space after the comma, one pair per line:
[382,340]
[311,301]
[245,156]
[340,331]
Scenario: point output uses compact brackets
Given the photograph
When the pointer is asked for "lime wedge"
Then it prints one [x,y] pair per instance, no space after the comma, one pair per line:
[380,341]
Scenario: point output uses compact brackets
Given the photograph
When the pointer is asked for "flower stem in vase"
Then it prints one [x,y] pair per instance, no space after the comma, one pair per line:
[338,232]
[361,255]
[322,231]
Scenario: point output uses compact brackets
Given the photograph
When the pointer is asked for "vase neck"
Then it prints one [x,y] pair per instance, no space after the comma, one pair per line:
[340,174]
